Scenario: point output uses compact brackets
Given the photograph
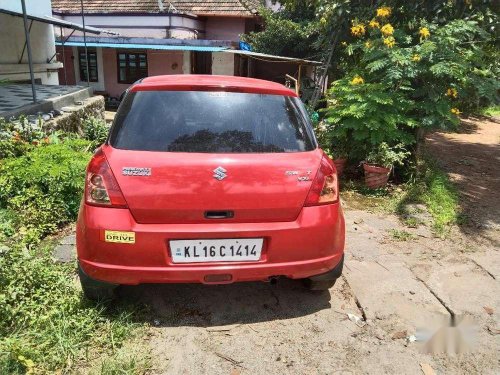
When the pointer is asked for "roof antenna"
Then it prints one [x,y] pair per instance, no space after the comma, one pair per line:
[161,6]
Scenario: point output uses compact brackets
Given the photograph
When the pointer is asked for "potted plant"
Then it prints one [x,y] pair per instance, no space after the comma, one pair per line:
[339,154]
[379,163]
[336,149]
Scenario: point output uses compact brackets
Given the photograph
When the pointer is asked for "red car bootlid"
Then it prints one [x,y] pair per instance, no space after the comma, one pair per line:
[181,188]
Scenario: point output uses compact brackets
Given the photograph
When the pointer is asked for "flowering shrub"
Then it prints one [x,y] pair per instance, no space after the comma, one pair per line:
[17,137]
[403,80]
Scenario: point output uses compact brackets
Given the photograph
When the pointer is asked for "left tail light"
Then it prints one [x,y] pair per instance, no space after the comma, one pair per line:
[325,187]
[101,187]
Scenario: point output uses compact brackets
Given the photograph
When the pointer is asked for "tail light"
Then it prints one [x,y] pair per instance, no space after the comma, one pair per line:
[325,187]
[101,187]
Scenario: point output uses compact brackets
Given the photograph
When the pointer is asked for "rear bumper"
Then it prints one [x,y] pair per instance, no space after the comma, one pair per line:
[197,274]
[311,245]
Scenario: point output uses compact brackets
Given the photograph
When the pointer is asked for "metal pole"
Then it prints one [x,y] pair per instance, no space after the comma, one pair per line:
[24,47]
[64,56]
[85,43]
[28,44]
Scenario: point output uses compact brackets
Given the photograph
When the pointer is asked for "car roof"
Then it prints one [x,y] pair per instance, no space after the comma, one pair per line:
[199,82]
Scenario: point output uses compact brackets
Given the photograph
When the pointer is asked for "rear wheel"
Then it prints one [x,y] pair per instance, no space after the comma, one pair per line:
[326,280]
[319,284]
[96,290]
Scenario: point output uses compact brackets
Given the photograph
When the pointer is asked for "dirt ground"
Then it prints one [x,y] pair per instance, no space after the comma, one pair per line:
[425,305]
[470,157]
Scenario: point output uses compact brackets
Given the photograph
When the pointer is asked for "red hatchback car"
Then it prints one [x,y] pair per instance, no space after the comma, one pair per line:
[209,179]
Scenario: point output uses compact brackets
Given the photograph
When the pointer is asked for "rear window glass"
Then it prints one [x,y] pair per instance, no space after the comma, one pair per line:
[215,122]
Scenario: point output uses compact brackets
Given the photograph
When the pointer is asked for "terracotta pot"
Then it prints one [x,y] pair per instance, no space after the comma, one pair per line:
[375,176]
[339,165]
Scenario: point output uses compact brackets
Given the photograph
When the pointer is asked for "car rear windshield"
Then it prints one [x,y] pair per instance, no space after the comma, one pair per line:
[211,122]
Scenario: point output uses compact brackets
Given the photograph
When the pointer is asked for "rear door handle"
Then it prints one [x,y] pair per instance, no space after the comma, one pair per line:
[219,214]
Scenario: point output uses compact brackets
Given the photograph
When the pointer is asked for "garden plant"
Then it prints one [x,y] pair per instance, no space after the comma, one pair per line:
[396,69]
[45,325]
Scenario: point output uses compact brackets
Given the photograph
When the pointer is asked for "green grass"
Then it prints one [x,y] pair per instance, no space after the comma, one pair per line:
[362,198]
[126,361]
[491,111]
[431,187]
[45,323]
[401,235]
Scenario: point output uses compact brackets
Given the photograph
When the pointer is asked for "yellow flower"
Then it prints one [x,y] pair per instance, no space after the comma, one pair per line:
[358,30]
[452,92]
[390,41]
[424,32]
[387,29]
[455,111]
[368,44]
[374,24]
[357,81]
[384,12]
[416,57]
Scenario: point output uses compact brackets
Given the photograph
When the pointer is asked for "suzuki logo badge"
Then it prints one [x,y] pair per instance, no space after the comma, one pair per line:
[220,173]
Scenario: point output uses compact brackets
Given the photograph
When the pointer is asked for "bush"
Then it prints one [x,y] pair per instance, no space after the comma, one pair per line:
[95,130]
[44,187]
[406,79]
[285,34]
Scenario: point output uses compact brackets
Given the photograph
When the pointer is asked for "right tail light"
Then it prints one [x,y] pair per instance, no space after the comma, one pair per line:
[325,187]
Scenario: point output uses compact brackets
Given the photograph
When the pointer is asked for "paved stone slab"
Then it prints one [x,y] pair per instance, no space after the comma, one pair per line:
[364,233]
[69,240]
[387,288]
[489,260]
[466,289]
[65,252]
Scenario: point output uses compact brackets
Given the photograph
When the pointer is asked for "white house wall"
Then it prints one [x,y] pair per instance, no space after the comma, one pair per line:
[33,7]
[222,63]
[12,40]
[186,62]
[157,26]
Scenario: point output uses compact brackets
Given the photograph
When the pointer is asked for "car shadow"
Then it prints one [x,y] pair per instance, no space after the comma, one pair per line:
[177,305]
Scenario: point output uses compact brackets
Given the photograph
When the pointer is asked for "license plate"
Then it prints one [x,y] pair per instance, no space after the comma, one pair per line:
[226,250]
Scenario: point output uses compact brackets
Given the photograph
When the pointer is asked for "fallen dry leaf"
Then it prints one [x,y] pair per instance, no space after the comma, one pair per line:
[489,310]
[399,335]
[427,369]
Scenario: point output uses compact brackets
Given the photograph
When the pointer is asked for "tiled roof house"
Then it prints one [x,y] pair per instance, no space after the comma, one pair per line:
[238,8]
[155,37]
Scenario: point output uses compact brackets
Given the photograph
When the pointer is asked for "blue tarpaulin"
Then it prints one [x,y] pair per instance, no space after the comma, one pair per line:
[144,46]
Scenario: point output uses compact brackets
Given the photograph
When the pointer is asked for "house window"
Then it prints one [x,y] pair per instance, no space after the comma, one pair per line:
[132,66]
[82,62]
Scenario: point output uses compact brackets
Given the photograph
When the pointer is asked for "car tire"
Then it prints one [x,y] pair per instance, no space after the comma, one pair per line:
[96,290]
[319,284]
[326,280]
